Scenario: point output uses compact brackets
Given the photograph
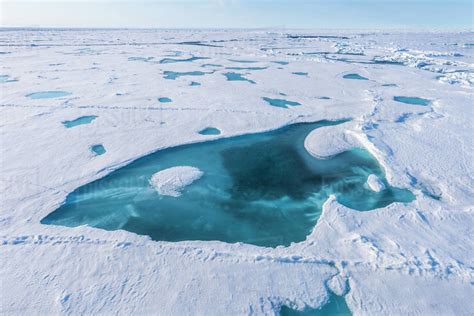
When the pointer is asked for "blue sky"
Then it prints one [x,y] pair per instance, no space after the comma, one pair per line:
[239,13]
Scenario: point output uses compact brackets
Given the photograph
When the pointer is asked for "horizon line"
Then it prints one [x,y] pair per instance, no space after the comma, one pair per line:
[399,28]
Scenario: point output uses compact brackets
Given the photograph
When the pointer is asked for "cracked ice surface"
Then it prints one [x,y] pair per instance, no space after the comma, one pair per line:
[423,247]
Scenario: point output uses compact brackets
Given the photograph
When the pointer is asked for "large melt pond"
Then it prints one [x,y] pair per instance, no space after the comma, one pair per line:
[263,189]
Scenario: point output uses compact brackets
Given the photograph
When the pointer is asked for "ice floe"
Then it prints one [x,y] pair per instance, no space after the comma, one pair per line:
[375,183]
[173,181]
[328,141]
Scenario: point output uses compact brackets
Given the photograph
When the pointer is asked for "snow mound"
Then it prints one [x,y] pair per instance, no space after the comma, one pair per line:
[374,183]
[172,181]
[330,140]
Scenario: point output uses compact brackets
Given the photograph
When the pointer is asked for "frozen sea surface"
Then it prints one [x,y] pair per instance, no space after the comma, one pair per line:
[219,78]
[263,189]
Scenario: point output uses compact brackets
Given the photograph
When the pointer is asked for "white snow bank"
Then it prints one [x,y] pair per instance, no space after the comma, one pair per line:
[455,71]
[330,140]
[389,240]
[374,183]
[172,181]
[338,285]
[458,77]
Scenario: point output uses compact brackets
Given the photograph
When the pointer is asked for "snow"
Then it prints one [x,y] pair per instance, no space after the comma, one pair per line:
[173,181]
[374,183]
[331,140]
[424,247]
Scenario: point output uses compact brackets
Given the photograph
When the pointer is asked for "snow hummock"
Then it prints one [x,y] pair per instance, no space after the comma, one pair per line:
[330,140]
[374,183]
[173,181]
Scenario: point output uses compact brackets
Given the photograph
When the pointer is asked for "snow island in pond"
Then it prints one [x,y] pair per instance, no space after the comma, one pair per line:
[174,180]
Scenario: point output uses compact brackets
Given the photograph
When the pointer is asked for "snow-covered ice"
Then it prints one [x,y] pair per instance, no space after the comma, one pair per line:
[330,140]
[414,258]
[173,181]
[375,183]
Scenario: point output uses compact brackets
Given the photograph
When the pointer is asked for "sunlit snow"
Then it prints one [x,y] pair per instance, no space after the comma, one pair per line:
[82,108]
